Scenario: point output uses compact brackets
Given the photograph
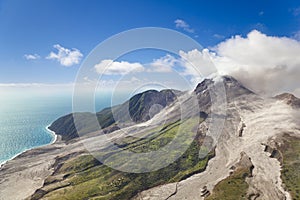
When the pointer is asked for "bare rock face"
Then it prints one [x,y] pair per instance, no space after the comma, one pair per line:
[273,151]
[233,87]
[289,99]
[249,124]
[151,100]
[245,162]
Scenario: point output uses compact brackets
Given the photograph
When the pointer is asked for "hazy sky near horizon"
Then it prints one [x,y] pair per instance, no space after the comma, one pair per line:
[44,42]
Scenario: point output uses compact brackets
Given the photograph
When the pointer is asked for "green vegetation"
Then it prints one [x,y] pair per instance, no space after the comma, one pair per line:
[135,109]
[160,136]
[84,177]
[290,174]
[233,187]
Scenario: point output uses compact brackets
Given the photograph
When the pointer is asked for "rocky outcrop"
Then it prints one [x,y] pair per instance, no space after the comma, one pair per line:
[273,151]
[233,88]
[144,106]
[289,99]
[251,120]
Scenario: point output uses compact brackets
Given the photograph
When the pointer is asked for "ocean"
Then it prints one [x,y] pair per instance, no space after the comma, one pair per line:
[24,120]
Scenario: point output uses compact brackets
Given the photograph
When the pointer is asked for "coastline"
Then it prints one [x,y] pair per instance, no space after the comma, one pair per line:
[53,134]
[54,140]
[27,171]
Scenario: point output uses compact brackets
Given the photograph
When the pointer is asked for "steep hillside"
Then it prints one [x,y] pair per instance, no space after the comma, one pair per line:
[289,99]
[256,154]
[82,177]
[141,107]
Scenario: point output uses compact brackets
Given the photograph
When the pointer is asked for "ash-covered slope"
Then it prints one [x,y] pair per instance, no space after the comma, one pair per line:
[289,99]
[253,126]
[138,108]
[232,86]
[246,162]
[232,89]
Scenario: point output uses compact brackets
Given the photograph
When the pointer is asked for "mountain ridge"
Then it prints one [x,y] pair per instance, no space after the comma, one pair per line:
[135,109]
[66,169]
[289,99]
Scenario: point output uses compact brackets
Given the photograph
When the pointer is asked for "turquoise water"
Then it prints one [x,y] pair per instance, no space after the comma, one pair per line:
[25,115]
[23,122]
[24,118]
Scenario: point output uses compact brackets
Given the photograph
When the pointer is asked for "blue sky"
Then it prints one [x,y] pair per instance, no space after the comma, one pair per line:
[33,27]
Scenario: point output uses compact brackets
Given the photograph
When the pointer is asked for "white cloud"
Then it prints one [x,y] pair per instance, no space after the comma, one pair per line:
[265,64]
[163,64]
[197,63]
[218,36]
[14,90]
[31,56]
[296,92]
[297,35]
[110,67]
[66,57]
[32,85]
[179,23]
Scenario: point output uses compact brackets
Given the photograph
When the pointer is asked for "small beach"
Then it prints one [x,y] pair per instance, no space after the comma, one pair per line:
[24,123]
[55,138]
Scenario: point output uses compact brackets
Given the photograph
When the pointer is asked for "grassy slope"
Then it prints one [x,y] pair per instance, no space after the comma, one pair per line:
[233,187]
[138,107]
[83,176]
[290,175]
